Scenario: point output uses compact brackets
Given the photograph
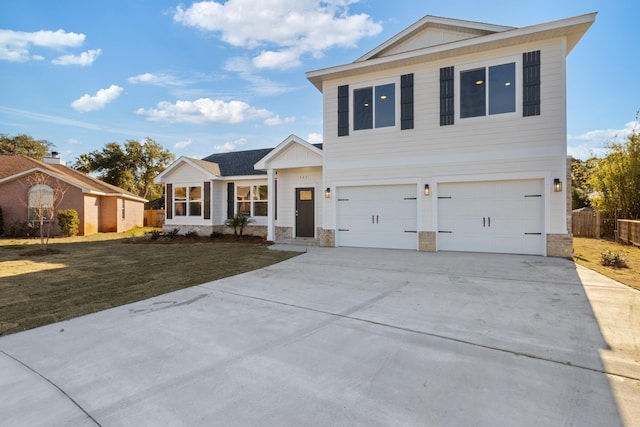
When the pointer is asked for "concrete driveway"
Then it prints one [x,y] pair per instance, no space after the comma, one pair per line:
[344,337]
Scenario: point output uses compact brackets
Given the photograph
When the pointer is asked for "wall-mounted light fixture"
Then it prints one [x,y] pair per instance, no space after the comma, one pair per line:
[557,185]
[327,193]
[427,191]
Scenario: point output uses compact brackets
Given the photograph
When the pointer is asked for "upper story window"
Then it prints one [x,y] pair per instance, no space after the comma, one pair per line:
[374,107]
[187,201]
[40,203]
[490,89]
[252,200]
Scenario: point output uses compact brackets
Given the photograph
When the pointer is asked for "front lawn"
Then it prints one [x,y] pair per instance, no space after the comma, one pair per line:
[93,273]
[587,252]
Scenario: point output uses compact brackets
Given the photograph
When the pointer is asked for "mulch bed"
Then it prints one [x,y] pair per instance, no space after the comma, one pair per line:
[223,238]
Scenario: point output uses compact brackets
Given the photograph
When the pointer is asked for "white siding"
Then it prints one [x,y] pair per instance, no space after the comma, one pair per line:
[510,145]
[288,181]
[185,173]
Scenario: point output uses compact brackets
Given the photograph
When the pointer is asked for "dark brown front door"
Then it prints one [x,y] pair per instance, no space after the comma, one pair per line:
[305,208]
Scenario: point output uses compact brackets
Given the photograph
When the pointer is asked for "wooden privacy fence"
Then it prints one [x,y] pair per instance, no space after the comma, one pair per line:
[586,223]
[154,218]
[629,232]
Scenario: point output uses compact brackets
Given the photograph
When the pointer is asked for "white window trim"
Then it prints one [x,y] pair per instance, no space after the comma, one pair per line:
[173,201]
[459,69]
[33,189]
[372,84]
[259,219]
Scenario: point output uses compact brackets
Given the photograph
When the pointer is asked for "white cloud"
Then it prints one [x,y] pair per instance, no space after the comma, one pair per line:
[275,121]
[164,80]
[231,145]
[84,59]
[15,45]
[315,138]
[594,143]
[259,85]
[102,97]
[284,29]
[182,144]
[205,110]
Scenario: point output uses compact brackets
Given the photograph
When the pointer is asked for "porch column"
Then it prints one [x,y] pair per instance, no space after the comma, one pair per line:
[271,206]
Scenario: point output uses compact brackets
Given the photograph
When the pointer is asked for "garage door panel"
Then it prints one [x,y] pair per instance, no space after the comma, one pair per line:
[377,216]
[498,216]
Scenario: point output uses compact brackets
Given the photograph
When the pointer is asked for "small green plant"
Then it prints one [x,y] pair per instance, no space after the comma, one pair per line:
[215,235]
[614,259]
[69,222]
[153,235]
[238,223]
[191,234]
[172,234]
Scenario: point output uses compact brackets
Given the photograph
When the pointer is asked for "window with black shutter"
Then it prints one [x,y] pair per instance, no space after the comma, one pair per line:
[531,83]
[446,96]
[230,200]
[343,110]
[406,101]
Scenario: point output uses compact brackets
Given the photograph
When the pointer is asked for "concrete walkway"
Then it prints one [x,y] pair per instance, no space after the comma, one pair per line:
[344,337]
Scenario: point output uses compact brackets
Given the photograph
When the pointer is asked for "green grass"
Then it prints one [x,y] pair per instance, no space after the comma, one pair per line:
[587,252]
[101,271]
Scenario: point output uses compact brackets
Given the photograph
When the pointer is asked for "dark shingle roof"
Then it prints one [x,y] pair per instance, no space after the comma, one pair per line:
[241,162]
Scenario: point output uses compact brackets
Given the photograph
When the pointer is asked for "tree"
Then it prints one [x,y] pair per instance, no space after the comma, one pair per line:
[238,223]
[617,179]
[24,144]
[581,189]
[44,196]
[132,168]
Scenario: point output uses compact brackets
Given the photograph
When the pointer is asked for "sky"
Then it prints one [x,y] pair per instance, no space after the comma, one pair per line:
[216,76]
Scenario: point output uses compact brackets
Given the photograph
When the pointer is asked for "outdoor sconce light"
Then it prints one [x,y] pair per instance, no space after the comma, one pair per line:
[557,185]
[427,191]
[327,193]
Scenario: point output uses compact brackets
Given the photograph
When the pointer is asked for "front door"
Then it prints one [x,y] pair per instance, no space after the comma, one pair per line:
[305,209]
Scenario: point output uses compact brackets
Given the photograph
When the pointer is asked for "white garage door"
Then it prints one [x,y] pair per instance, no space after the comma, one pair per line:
[497,216]
[382,216]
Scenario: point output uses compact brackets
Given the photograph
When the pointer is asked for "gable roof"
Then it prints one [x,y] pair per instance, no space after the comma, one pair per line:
[462,29]
[284,145]
[15,166]
[399,51]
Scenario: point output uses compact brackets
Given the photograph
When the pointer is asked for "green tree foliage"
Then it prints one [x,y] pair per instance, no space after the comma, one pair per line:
[617,179]
[132,167]
[26,145]
[238,223]
[581,172]
[69,222]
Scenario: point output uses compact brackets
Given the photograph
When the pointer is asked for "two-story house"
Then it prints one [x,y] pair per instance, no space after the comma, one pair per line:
[449,136]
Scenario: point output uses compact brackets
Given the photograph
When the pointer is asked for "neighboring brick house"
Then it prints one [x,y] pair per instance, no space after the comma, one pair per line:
[101,207]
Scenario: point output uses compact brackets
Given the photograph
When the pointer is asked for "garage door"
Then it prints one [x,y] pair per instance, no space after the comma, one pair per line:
[382,216]
[497,216]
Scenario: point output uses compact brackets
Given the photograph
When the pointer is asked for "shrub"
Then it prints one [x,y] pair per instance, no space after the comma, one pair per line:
[191,234]
[238,223]
[215,235]
[20,229]
[172,234]
[153,235]
[69,222]
[614,259]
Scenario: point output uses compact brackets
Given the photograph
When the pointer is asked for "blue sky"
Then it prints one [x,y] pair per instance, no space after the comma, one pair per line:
[207,77]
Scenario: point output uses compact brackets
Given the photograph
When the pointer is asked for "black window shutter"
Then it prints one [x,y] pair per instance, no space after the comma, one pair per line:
[406,101]
[230,200]
[275,200]
[531,83]
[343,110]
[207,200]
[446,96]
[168,209]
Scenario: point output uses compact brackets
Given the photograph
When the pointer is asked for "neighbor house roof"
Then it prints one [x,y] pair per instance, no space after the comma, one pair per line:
[15,166]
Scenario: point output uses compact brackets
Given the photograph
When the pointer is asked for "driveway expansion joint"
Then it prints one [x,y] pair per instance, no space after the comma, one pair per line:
[57,387]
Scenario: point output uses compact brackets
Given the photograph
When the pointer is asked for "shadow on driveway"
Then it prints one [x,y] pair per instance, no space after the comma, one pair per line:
[344,337]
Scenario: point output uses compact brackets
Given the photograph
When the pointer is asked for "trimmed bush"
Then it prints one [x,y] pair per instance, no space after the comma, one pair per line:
[69,222]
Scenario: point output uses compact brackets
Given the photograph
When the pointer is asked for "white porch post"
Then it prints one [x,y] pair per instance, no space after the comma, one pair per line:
[271,206]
